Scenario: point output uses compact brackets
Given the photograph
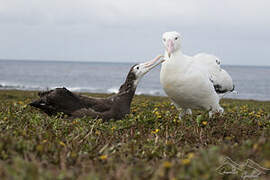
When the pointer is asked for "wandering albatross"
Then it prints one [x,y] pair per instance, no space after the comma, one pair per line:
[192,81]
[113,107]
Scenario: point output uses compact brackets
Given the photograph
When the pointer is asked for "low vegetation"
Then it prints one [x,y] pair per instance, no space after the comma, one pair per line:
[150,143]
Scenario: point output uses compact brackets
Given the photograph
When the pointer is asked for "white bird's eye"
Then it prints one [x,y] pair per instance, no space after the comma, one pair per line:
[175,38]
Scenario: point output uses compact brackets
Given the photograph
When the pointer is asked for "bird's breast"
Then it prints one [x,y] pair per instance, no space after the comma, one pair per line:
[171,75]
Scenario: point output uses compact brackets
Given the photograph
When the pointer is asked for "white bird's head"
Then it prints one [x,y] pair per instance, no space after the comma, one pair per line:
[171,41]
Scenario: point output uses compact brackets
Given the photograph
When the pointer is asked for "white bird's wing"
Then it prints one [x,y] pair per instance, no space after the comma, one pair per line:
[221,80]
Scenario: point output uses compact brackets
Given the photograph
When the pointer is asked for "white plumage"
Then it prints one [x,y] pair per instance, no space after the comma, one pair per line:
[192,81]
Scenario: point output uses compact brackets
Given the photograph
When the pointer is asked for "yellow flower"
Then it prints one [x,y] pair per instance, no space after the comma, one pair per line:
[75,122]
[39,147]
[258,116]
[113,128]
[266,164]
[157,114]
[185,161]
[255,147]
[188,159]
[44,141]
[155,109]
[155,131]
[167,164]
[20,102]
[5,118]
[103,157]
[251,113]
[62,143]
[228,138]
[190,155]
[73,155]
[204,123]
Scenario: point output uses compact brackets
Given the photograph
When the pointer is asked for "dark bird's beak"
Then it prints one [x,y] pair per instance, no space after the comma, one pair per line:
[147,66]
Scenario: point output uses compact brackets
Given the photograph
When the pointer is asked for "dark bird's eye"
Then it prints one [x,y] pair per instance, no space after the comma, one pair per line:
[137,67]
[164,39]
[176,38]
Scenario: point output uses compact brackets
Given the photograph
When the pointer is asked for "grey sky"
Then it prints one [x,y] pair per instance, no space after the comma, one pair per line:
[237,31]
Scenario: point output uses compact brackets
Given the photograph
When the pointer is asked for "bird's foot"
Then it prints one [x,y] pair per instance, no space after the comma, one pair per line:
[210,114]
[220,111]
[185,112]
[180,116]
[188,111]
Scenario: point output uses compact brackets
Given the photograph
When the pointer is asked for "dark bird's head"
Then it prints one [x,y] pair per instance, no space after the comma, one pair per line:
[137,71]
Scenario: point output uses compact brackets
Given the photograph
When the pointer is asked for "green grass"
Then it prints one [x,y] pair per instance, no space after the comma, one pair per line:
[150,143]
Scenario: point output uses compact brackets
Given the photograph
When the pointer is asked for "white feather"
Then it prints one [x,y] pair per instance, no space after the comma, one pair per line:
[189,80]
[216,73]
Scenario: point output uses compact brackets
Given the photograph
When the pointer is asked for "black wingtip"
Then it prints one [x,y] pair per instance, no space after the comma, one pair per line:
[233,88]
[219,90]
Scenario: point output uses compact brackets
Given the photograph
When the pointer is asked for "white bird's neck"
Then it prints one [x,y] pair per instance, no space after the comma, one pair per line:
[177,59]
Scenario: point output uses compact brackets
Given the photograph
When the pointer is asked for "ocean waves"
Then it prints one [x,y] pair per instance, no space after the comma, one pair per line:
[250,82]
[111,90]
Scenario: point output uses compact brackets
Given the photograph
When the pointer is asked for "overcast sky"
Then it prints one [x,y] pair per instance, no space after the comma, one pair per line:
[237,31]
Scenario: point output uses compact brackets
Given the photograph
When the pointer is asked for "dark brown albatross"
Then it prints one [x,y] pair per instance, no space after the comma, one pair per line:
[113,107]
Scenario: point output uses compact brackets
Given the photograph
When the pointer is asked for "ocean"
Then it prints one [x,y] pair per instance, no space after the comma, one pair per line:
[251,82]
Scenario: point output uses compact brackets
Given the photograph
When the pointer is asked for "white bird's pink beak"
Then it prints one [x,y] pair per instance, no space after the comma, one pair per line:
[170,47]
[152,62]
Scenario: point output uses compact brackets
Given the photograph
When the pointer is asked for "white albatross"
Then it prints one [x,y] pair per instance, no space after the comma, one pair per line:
[192,81]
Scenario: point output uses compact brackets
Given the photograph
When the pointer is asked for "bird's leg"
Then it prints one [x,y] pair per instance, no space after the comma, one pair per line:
[188,111]
[210,114]
[181,114]
[220,110]
[185,112]
[176,105]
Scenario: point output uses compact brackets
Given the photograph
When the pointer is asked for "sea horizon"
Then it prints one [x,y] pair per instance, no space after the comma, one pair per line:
[110,62]
[252,82]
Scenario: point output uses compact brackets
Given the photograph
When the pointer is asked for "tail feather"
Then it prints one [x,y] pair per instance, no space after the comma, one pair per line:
[57,100]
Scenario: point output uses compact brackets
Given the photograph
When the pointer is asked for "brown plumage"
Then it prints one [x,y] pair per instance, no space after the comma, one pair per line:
[76,105]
